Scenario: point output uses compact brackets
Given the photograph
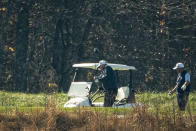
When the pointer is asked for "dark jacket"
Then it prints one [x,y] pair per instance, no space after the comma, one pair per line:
[180,81]
[108,78]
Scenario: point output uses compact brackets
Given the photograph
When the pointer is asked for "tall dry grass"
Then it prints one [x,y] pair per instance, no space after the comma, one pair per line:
[82,119]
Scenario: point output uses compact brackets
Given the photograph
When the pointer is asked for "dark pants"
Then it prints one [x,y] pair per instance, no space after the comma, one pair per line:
[182,100]
[109,98]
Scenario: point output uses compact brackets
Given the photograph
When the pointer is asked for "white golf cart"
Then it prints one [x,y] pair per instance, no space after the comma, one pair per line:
[80,94]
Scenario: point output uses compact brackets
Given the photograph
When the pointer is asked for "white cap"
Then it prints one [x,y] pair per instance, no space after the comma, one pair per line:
[101,62]
[178,65]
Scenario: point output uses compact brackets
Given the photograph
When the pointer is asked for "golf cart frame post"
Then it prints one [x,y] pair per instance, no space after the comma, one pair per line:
[131,97]
[75,73]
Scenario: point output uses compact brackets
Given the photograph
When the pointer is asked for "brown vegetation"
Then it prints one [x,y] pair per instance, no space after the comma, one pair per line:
[93,120]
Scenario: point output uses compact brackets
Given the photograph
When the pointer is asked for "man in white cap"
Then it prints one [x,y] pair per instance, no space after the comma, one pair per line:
[108,79]
[182,86]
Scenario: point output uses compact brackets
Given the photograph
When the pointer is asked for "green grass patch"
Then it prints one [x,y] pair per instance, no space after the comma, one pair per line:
[163,102]
[154,102]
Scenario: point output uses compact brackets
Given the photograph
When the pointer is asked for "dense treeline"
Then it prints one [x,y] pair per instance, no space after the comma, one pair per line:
[40,40]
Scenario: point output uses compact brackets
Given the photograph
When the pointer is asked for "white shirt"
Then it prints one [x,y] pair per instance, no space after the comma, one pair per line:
[187,77]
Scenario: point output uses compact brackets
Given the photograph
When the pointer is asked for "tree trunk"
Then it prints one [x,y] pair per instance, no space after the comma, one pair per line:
[3,38]
[21,47]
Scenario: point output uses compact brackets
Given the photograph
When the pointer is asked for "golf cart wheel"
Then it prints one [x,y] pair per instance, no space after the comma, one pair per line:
[98,98]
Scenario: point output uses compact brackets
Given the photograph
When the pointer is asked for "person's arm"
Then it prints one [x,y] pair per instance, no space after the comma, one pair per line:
[173,90]
[187,81]
[102,76]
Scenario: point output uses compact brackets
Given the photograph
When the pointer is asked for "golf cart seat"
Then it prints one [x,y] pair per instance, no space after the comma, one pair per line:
[122,95]
[79,89]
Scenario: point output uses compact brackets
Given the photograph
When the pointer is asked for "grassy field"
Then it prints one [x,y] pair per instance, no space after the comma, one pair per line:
[163,102]
[152,101]
[19,111]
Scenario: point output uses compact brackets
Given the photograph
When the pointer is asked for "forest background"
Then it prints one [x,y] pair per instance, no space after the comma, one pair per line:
[41,39]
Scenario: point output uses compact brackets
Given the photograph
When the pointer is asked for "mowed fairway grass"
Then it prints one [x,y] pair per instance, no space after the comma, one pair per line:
[153,102]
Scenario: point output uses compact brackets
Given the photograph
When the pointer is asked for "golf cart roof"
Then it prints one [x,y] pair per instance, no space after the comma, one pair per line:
[94,65]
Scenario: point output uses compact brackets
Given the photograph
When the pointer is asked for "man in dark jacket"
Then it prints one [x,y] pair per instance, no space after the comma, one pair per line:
[182,86]
[108,79]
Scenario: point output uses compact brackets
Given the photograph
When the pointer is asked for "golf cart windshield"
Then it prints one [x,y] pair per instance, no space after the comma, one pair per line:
[79,89]
[84,72]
